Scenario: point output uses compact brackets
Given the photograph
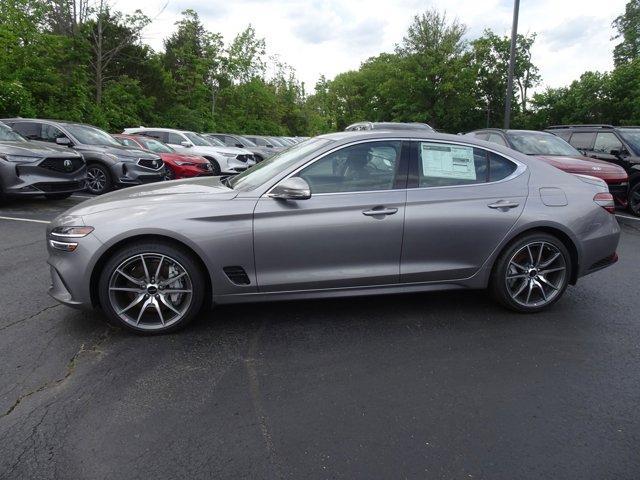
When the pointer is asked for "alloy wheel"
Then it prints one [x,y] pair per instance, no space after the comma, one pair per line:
[96,179]
[150,291]
[536,274]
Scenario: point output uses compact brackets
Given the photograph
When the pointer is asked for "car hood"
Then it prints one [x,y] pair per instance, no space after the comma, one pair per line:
[159,195]
[120,151]
[585,166]
[236,150]
[35,149]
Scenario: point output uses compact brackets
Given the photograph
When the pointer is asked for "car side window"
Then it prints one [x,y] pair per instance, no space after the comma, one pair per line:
[28,130]
[50,133]
[481,135]
[445,164]
[582,140]
[606,142]
[127,142]
[155,134]
[495,138]
[174,138]
[357,168]
[499,167]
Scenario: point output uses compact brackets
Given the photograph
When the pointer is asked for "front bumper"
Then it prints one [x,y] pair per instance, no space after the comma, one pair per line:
[620,192]
[71,271]
[33,180]
[235,165]
[130,173]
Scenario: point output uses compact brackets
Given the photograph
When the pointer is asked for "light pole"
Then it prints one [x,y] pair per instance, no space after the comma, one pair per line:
[512,62]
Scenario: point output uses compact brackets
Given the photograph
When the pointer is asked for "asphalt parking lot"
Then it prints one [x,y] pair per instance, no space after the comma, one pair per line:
[442,385]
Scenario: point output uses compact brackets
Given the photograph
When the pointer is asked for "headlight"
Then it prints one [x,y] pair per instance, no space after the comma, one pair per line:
[21,158]
[71,232]
[228,154]
[188,164]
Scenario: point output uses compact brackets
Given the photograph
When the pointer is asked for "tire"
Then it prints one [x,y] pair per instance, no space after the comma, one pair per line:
[57,196]
[137,303]
[99,179]
[169,174]
[516,281]
[634,199]
[215,167]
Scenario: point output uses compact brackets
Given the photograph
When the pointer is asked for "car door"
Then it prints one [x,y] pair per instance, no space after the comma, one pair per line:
[609,147]
[348,234]
[461,203]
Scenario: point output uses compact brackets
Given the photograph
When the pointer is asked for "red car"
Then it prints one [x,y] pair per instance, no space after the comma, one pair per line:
[555,151]
[179,165]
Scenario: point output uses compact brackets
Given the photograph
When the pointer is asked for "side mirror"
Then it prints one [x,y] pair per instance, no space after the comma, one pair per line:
[186,144]
[63,141]
[292,188]
[269,146]
[239,145]
[620,153]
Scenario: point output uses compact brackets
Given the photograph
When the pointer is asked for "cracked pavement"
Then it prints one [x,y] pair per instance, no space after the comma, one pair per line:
[444,385]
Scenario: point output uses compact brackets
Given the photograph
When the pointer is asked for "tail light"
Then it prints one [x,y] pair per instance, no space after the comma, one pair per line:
[605,200]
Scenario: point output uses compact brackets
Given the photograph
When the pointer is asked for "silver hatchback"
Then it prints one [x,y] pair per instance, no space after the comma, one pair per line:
[354,213]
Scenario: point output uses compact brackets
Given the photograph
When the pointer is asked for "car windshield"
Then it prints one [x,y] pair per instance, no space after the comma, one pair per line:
[539,143]
[246,142]
[156,146]
[264,171]
[196,139]
[215,141]
[90,135]
[8,135]
[632,137]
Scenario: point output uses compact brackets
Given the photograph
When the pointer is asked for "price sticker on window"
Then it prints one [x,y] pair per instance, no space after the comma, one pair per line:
[448,161]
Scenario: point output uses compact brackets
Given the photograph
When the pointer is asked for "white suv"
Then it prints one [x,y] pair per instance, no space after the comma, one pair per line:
[223,159]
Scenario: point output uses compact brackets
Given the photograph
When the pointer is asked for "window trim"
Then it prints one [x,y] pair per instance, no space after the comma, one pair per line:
[415,166]
[411,161]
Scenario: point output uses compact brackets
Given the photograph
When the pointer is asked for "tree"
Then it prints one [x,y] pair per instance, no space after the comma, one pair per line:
[245,56]
[491,58]
[628,28]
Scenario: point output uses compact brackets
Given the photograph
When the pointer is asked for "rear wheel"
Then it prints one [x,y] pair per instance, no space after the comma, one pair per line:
[98,179]
[634,199]
[151,287]
[532,273]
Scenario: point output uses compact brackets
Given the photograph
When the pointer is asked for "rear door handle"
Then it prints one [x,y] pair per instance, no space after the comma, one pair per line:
[374,212]
[503,204]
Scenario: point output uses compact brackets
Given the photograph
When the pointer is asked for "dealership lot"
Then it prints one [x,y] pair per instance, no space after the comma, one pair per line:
[442,385]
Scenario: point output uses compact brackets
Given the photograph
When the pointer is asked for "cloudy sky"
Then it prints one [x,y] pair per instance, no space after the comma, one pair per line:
[331,36]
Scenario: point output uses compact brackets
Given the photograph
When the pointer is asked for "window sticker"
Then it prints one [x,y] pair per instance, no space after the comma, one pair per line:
[448,161]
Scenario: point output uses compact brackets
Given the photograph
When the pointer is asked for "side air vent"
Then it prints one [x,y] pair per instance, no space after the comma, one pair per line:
[237,275]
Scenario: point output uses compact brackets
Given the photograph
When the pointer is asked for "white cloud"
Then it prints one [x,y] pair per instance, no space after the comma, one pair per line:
[330,36]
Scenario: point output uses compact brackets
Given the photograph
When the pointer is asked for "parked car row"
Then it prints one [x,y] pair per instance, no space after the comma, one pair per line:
[57,158]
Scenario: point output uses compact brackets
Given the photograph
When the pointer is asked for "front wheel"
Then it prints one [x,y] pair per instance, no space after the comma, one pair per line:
[634,199]
[98,179]
[151,287]
[532,273]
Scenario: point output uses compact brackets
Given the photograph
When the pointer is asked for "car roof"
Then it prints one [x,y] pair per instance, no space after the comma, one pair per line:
[46,120]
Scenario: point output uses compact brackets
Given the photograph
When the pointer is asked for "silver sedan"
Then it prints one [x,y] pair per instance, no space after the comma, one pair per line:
[353,213]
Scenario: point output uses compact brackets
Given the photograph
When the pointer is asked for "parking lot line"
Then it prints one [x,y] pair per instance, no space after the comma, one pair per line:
[628,218]
[24,219]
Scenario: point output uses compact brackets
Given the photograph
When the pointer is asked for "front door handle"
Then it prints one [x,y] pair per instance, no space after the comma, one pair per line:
[374,212]
[503,204]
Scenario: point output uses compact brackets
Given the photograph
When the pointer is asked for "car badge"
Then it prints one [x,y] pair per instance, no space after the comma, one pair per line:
[596,168]
[68,165]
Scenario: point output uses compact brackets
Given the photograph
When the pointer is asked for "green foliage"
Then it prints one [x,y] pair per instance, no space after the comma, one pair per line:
[628,28]
[80,60]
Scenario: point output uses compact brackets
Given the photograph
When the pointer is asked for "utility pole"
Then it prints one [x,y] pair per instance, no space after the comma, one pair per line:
[512,62]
